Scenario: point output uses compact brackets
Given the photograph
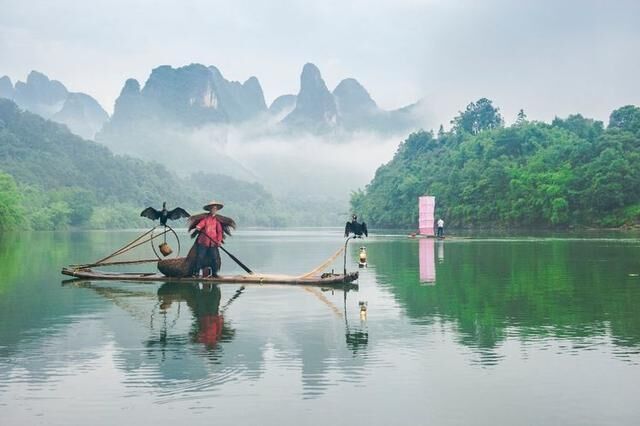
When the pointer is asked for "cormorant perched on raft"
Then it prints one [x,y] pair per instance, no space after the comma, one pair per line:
[356,228]
[164,214]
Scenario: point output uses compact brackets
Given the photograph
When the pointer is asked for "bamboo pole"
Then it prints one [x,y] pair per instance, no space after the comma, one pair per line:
[129,246]
[122,262]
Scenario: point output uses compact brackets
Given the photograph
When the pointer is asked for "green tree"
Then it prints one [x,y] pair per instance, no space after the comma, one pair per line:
[626,118]
[521,118]
[560,211]
[478,116]
[81,203]
[585,128]
[11,210]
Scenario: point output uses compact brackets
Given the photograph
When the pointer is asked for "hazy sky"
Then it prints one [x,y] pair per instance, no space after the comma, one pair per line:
[550,57]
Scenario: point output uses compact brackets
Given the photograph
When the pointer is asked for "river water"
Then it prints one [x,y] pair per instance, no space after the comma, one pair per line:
[495,331]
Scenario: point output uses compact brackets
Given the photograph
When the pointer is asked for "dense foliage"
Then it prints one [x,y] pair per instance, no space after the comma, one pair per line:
[11,214]
[572,172]
[52,179]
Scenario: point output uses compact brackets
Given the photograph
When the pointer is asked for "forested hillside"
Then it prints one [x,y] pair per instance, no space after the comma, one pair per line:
[572,172]
[52,179]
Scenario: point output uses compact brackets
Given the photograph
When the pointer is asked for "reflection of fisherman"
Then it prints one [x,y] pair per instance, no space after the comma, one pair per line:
[209,239]
[204,302]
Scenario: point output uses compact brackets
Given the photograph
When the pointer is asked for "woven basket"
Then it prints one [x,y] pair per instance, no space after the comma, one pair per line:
[179,266]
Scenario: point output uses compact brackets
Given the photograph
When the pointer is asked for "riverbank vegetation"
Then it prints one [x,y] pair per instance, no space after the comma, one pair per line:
[572,172]
[52,179]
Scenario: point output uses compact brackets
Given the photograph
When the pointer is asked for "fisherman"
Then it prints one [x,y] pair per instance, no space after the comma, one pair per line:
[210,235]
[440,233]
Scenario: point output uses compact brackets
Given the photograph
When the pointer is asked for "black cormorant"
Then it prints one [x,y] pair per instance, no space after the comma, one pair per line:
[164,214]
[356,228]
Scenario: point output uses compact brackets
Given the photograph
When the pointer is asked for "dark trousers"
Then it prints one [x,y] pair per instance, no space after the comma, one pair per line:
[440,231]
[207,257]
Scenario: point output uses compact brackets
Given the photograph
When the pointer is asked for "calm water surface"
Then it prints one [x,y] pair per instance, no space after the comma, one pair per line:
[489,331]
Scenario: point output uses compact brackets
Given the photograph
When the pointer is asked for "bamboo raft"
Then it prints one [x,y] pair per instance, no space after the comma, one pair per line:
[177,270]
[323,280]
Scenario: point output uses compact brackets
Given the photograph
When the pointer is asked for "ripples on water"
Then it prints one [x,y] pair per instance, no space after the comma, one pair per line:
[485,320]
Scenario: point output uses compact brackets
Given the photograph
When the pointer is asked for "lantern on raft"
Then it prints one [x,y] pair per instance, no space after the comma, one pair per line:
[362,259]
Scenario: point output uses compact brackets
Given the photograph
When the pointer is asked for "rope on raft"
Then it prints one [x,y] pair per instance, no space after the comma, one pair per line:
[129,246]
[122,262]
[323,265]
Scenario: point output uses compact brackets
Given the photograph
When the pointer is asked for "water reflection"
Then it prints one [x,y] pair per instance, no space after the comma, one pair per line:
[204,302]
[440,248]
[357,337]
[491,291]
[427,261]
[190,344]
[428,249]
[546,309]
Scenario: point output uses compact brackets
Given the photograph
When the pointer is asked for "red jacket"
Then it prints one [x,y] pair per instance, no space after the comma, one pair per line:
[211,227]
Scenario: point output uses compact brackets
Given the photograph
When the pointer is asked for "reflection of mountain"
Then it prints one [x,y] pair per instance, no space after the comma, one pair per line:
[540,289]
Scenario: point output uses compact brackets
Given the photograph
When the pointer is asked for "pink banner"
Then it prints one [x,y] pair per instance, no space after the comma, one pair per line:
[426,215]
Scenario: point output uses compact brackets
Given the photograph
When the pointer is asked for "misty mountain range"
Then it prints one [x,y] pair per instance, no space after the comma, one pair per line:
[348,107]
[316,143]
[50,99]
[196,95]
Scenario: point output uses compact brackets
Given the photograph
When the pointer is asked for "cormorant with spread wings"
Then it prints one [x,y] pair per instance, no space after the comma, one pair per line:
[164,214]
[356,228]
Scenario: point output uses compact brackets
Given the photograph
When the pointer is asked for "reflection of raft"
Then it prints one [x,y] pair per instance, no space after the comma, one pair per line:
[434,237]
[325,279]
